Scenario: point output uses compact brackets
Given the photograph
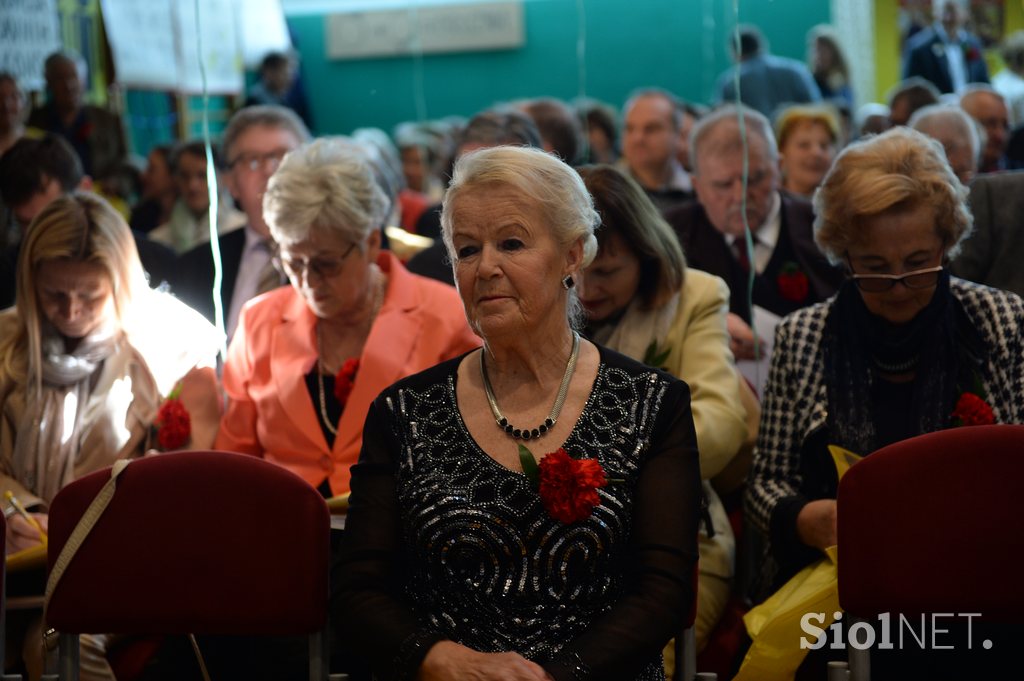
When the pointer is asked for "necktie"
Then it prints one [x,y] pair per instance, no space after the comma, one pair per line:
[741,255]
[269,278]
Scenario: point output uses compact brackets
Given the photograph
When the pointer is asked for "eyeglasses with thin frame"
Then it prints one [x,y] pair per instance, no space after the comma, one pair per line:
[323,266]
[253,162]
[879,283]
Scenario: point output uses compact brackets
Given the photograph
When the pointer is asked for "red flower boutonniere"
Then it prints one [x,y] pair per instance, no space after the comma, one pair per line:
[972,409]
[971,53]
[173,424]
[85,131]
[345,379]
[792,283]
[568,485]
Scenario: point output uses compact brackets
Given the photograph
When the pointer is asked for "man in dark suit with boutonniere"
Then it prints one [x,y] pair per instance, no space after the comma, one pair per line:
[789,270]
[945,53]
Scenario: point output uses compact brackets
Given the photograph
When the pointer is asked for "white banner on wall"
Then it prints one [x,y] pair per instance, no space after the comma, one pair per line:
[142,42]
[450,28]
[262,28]
[29,33]
[154,44]
[223,62]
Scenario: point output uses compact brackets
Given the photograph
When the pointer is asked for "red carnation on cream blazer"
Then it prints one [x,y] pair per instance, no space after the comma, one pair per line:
[270,412]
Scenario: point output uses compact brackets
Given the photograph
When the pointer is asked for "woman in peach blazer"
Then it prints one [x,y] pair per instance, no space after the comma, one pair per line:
[348,300]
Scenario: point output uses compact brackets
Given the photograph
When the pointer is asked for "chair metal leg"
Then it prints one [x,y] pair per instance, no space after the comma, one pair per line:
[838,671]
[320,654]
[67,666]
[860,660]
[686,655]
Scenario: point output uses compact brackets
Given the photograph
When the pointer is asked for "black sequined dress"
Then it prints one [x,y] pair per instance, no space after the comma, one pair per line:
[443,542]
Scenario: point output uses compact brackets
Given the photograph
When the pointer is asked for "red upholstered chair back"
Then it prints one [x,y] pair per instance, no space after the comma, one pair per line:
[934,525]
[194,542]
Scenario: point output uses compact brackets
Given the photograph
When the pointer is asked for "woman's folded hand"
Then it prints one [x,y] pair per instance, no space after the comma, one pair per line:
[816,524]
[449,661]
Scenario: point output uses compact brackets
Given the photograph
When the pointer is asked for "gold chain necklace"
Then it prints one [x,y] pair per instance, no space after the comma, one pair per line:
[552,418]
[382,285]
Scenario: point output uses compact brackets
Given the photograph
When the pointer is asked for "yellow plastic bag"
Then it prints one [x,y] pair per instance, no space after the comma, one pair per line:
[775,625]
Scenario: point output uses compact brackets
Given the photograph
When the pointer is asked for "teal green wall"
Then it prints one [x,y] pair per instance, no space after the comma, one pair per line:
[630,43]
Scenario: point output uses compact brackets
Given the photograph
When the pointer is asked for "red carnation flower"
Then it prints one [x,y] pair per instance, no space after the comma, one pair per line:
[971,410]
[174,426]
[85,131]
[792,283]
[345,379]
[568,487]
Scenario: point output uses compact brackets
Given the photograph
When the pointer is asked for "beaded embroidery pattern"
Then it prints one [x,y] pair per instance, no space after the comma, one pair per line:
[486,565]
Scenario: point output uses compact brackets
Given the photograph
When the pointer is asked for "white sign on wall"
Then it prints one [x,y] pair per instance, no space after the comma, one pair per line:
[154,44]
[435,29]
[221,57]
[142,42]
[262,29]
[28,35]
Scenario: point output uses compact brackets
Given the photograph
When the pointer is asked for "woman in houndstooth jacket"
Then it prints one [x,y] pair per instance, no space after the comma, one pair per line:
[903,349]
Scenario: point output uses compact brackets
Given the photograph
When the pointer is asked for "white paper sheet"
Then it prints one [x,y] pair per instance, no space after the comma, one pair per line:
[757,372]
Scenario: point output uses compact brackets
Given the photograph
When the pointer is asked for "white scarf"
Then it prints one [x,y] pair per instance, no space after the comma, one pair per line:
[50,432]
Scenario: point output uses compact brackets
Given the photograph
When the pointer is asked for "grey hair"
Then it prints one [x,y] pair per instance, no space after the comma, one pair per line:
[270,116]
[326,184]
[678,112]
[753,122]
[553,186]
[935,119]
[383,174]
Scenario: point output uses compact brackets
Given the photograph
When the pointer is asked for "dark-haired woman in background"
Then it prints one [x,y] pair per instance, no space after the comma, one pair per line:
[642,301]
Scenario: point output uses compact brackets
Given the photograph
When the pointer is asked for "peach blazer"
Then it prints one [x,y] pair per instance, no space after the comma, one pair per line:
[270,411]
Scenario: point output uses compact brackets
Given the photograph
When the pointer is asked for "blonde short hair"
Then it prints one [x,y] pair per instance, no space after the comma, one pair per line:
[80,227]
[900,167]
[793,117]
[540,177]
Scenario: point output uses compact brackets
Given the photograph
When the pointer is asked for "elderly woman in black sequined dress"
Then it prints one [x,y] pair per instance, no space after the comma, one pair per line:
[457,564]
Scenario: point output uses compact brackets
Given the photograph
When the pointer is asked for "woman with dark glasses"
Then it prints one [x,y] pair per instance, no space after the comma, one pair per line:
[308,359]
[892,355]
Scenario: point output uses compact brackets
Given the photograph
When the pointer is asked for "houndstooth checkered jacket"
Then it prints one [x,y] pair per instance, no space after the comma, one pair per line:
[795,400]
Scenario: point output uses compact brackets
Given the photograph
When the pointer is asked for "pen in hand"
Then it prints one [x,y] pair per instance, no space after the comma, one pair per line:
[13,500]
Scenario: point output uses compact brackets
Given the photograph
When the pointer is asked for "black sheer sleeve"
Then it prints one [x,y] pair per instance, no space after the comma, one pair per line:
[366,606]
[660,592]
